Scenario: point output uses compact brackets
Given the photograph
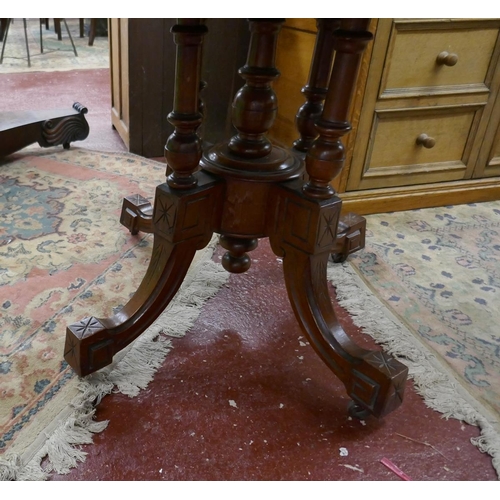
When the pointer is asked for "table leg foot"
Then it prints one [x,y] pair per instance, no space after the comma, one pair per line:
[137,214]
[357,411]
[350,236]
[374,380]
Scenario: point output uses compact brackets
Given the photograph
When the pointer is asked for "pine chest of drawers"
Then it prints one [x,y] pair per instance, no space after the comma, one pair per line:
[426,117]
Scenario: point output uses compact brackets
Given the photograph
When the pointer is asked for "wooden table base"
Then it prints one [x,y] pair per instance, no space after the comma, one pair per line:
[247,189]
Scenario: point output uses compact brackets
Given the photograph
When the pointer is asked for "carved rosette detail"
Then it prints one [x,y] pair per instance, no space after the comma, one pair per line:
[165,215]
[86,327]
[327,233]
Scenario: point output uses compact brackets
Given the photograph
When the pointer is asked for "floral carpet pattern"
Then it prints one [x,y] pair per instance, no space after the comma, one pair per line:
[63,254]
[438,271]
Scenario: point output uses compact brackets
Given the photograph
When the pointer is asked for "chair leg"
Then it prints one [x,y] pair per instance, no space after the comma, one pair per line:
[26,39]
[3,26]
[82,27]
[41,37]
[93,27]
[70,37]
[57,27]
[4,40]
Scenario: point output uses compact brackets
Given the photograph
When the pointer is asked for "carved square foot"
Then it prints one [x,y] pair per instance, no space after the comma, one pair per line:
[379,383]
[350,236]
[87,349]
[136,214]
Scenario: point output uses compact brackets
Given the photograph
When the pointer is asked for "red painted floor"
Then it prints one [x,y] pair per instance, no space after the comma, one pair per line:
[243,396]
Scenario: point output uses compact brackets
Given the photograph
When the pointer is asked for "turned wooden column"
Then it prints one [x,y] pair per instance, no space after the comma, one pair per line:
[325,158]
[249,162]
[317,84]
[255,105]
[183,148]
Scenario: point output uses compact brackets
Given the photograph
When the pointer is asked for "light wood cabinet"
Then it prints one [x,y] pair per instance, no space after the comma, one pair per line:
[488,164]
[426,115]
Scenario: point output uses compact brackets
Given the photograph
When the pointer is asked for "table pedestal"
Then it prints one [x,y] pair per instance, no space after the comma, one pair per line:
[246,189]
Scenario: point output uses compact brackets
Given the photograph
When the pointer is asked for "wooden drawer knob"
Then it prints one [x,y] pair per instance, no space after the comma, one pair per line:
[426,141]
[447,59]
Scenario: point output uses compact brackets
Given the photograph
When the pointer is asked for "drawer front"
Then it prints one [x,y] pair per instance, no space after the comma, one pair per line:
[418,146]
[490,166]
[452,57]
[495,155]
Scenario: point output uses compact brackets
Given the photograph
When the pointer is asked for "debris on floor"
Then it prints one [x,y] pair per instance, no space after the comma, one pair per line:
[425,443]
[352,467]
[394,468]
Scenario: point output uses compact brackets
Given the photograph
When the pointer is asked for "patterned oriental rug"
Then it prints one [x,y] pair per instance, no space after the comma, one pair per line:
[64,254]
[427,286]
[58,55]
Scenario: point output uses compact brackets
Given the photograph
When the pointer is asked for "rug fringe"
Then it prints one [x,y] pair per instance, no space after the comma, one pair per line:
[132,370]
[440,390]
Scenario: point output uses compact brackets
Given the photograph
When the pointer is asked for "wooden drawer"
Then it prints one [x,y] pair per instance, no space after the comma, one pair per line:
[488,164]
[495,153]
[395,158]
[412,65]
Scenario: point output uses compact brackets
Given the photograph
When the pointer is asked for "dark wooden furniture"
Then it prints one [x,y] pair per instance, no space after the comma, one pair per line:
[247,188]
[141,94]
[49,128]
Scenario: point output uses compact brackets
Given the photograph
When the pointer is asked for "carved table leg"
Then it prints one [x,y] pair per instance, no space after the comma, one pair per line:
[137,214]
[352,227]
[350,236]
[182,221]
[317,85]
[303,234]
[307,229]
